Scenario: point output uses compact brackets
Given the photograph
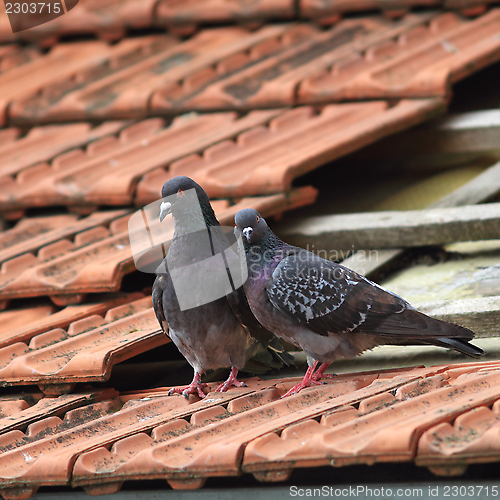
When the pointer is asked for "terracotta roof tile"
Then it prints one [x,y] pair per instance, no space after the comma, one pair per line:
[31,234]
[85,351]
[239,168]
[60,65]
[383,416]
[272,79]
[14,55]
[41,95]
[43,143]
[143,428]
[96,259]
[107,171]
[234,68]
[18,412]
[363,50]
[447,449]
[331,10]
[193,12]
[122,85]
[108,19]
[421,62]
[22,324]
[385,429]
[266,88]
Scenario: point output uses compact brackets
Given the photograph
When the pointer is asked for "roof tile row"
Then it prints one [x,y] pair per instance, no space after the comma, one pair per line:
[22,324]
[96,259]
[86,351]
[121,81]
[110,19]
[418,55]
[13,55]
[421,62]
[354,418]
[62,64]
[220,151]
[331,10]
[260,161]
[42,143]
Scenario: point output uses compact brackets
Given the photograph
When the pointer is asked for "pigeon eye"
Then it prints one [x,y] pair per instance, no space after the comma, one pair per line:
[180,193]
[257,219]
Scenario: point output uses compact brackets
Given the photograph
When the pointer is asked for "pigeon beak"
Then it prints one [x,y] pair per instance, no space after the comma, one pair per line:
[165,209]
[248,233]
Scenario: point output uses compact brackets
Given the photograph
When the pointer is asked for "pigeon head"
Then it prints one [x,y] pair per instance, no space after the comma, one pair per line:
[181,196]
[251,224]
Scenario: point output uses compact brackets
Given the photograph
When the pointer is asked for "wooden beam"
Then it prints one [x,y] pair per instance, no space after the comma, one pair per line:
[478,314]
[474,132]
[468,192]
[480,189]
[395,229]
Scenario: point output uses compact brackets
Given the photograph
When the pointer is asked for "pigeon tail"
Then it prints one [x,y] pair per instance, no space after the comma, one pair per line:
[462,346]
[414,327]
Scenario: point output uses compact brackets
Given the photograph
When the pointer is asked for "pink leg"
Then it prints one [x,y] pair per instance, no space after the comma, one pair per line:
[195,387]
[231,380]
[306,381]
[319,373]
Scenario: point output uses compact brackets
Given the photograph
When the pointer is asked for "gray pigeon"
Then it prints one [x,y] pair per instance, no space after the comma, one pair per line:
[328,310]
[195,297]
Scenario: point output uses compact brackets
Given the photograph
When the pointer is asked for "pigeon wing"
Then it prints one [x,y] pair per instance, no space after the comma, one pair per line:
[329,297]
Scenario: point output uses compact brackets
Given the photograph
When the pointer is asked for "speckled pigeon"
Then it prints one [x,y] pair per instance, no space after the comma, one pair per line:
[328,310]
[209,333]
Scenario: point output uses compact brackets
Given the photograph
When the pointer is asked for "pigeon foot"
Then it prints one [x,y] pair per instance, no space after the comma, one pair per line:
[319,373]
[231,380]
[195,387]
[306,381]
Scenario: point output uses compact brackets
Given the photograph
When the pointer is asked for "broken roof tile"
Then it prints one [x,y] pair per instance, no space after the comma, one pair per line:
[261,161]
[421,62]
[57,359]
[96,259]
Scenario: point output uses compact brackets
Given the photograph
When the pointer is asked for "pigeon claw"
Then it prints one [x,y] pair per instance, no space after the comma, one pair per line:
[319,373]
[309,378]
[231,380]
[195,387]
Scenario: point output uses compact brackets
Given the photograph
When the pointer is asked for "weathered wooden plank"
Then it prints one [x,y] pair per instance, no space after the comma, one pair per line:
[470,193]
[481,188]
[479,314]
[465,133]
[395,229]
